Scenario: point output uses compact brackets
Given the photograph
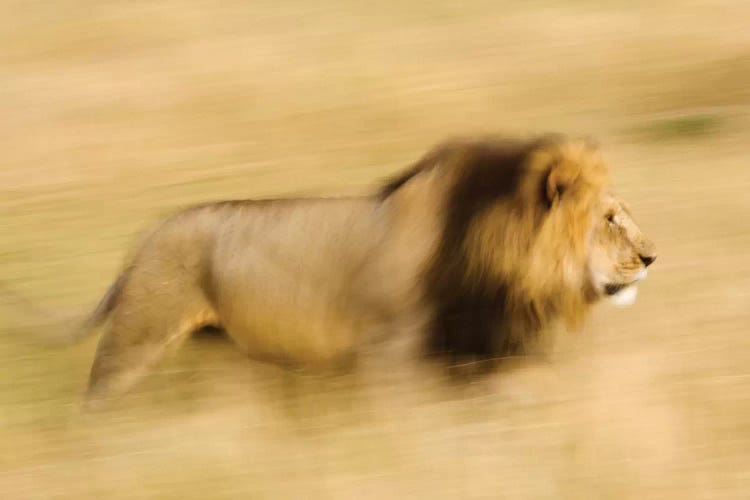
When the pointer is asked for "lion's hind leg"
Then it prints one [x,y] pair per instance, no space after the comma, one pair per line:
[140,333]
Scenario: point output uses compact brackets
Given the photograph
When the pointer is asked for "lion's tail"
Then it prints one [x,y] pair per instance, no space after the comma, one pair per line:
[55,328]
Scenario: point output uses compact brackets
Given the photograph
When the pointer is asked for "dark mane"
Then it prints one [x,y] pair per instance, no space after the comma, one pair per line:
[475,316]
[471,315]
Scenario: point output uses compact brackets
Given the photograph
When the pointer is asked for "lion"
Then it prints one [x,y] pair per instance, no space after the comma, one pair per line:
[489,240]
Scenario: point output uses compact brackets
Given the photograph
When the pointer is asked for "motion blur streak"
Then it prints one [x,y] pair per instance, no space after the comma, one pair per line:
[116,113]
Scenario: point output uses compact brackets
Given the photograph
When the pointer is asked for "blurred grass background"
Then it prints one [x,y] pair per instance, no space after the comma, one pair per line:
[115,113]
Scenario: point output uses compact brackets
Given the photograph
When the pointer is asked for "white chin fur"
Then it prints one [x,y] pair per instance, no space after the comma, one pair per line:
[625,297]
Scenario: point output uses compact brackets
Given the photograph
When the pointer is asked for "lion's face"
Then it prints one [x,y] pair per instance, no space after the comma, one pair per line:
[619,252]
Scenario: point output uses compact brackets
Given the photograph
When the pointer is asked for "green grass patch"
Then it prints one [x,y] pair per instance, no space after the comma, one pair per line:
[680,127]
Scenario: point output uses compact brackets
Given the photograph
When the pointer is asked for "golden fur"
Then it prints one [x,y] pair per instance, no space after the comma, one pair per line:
[490,240]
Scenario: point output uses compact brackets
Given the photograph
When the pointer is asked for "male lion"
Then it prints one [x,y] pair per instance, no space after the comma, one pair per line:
[491,240]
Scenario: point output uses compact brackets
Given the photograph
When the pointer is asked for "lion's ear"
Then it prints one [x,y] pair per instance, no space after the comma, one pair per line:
[560,176]
[553,188]
[562,161]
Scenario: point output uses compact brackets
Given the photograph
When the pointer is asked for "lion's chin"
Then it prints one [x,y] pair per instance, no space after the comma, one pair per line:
[625,297]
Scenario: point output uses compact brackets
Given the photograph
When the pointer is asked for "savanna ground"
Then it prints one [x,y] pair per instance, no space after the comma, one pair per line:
[113,114]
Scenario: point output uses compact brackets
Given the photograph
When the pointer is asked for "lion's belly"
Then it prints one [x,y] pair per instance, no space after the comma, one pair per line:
[292,328]
[277,309]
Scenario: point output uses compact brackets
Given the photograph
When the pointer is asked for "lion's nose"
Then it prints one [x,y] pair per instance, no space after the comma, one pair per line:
[647,259]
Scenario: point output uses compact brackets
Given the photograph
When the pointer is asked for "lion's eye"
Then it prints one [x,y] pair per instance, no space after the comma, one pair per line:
[611,218]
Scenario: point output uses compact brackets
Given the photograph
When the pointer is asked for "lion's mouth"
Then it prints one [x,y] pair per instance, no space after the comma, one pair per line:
[624,294]
[615,288]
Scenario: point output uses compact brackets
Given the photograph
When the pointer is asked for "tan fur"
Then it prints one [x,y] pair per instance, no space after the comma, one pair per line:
[307,282]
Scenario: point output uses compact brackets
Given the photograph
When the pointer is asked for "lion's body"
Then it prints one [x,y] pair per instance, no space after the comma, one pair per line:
[292,281]
[467,238]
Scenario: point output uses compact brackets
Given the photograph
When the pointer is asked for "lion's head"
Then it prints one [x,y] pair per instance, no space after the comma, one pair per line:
[531,233]
[599,249]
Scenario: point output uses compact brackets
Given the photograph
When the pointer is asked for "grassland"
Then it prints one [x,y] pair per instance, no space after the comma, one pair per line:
[114,114]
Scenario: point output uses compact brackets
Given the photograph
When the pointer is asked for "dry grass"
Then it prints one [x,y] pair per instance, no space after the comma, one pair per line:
[115,113]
